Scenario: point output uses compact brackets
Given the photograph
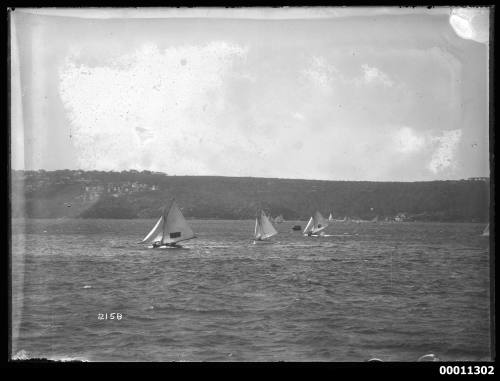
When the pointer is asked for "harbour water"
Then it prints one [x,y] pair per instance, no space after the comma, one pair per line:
[394,291]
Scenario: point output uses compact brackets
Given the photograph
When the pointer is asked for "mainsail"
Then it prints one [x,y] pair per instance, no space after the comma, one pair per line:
[263,227]
[320,223]
[316,224]
[330,218]
[170,228]
[176,228]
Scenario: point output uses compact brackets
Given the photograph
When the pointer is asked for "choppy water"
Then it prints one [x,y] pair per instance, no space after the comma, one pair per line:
[394,291]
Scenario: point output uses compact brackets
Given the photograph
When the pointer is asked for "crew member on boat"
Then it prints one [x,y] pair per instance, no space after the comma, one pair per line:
[170,244]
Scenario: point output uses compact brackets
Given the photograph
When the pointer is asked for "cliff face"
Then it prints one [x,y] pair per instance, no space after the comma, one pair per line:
[132,194]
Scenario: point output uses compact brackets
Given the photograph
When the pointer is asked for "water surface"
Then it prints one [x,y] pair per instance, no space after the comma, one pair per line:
[395,291]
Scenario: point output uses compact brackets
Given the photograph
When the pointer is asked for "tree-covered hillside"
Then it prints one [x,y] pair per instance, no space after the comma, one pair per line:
[133,194]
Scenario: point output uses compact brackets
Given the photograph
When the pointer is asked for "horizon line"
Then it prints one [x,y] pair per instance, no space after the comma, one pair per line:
[471,178]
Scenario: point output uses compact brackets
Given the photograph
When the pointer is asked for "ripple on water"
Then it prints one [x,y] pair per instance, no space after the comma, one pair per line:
[393,292]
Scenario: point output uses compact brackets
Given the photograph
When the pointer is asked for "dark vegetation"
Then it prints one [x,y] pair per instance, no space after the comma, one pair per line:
[133,194]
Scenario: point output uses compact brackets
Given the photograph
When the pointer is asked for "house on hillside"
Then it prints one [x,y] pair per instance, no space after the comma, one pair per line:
[400,217]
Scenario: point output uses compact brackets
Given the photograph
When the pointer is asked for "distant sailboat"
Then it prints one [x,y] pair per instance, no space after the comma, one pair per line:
[264,229]
[170,229]
[279,219]
[316,225]
[486,232]
[330,217]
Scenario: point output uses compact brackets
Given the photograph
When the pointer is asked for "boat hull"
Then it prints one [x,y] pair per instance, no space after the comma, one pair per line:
[262,242]
[321,235]
[163,247]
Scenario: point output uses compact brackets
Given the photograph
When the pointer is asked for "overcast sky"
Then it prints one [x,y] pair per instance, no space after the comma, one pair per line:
[337,94]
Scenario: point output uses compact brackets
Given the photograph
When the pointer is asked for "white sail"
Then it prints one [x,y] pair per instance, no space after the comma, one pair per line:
[176,228]
[309,226]
[267,227]
[263,227]
[320,223]
[156,233]
[330,218]
[486,231]
[258,229]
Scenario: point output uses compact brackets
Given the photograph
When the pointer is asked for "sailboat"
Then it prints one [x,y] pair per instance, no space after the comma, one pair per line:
[264,229]
[330,217]
[316,225]
[279,219]
[170,229]
[486,232]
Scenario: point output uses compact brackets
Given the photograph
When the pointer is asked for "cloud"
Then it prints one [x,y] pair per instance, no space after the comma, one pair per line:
[148,101]
[324,75]
[406,140]
[444,147]
[444,156]
[372,75]
[298,115]
[321,73]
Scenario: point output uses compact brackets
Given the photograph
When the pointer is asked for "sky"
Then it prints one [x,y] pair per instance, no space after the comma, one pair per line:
[372,94]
